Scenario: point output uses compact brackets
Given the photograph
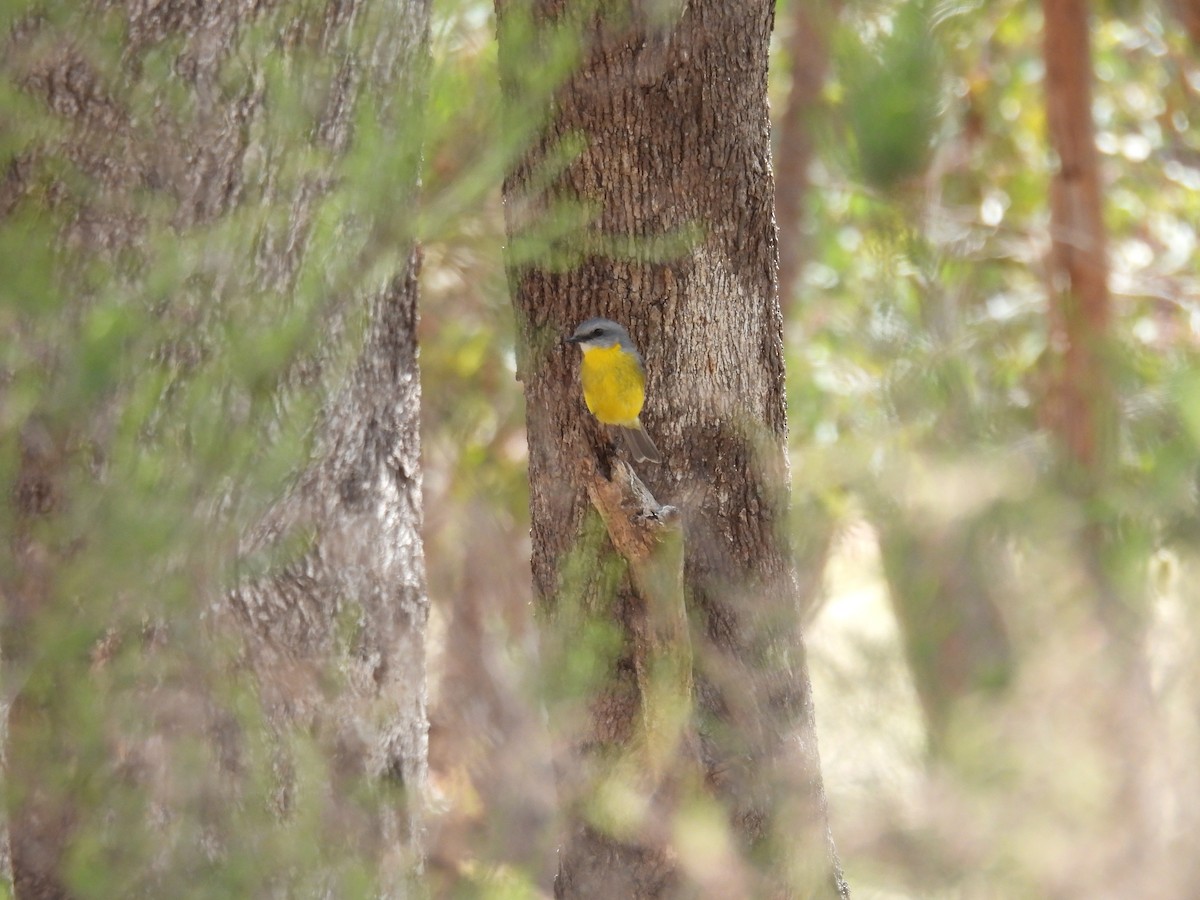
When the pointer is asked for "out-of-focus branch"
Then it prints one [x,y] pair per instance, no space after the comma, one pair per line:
[808,48]
[1188,14]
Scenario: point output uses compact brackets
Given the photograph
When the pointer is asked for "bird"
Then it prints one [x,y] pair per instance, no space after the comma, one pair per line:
[614,382]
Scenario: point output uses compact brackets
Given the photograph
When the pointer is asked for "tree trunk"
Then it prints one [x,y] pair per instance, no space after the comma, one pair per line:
[182,137]
[1188,14]
[808,47]
[812,24]
[1082,406]
[1085,412]
[670,108]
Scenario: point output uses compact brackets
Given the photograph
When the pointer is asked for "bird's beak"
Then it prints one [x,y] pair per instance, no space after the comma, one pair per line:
[573,339]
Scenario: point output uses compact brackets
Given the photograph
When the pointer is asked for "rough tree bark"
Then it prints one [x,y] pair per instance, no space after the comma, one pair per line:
[669,103]
[358,503]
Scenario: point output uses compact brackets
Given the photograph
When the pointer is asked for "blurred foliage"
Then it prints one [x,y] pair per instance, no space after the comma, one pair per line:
[914,388]
[916,385]
[892,85]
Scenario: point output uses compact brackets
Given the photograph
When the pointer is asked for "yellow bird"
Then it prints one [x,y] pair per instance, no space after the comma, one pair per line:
[614,382]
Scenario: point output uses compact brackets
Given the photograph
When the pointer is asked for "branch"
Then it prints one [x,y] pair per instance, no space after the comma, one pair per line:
[649,536]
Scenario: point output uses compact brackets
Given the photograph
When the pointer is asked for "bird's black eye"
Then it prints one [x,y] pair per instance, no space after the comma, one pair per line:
[596,333]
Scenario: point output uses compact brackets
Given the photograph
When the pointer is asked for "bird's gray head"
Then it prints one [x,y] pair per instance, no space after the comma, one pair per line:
[596,334]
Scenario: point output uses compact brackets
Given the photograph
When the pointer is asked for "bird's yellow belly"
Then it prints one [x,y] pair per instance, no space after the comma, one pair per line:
[614,385]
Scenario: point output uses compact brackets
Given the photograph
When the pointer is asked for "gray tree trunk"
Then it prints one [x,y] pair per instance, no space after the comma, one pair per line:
[336,635]
[669,103]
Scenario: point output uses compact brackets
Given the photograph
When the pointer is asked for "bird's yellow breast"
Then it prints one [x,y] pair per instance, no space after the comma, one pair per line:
[614,385]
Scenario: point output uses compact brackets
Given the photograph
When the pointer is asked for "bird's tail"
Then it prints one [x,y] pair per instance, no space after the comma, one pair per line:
[639,444]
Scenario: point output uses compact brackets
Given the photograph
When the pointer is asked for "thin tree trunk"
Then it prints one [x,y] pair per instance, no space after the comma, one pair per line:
[487,736]
[808,46]
[682,250]
[1086,418]
[1188,14]
[1083,410]
[812,24]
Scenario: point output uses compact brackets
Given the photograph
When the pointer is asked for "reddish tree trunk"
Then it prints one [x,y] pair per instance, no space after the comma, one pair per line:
[1082,403]
[808,47]
[1188,14]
